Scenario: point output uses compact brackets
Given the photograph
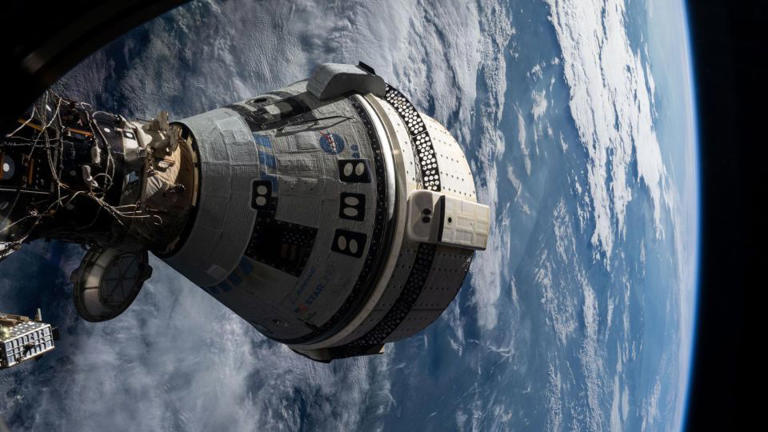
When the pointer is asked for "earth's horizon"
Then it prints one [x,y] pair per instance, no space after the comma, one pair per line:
[579,122]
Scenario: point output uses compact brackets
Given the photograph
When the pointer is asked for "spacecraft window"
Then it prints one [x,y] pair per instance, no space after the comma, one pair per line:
[349,243]
[352,206]
[354,171]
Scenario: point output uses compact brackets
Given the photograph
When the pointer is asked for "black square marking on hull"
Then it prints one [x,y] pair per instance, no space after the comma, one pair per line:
[261,192]
[352,206]
[282,245]
[349,243]
[354,171]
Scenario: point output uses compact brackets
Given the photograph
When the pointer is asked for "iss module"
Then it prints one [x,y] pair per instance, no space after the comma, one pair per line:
[331,214]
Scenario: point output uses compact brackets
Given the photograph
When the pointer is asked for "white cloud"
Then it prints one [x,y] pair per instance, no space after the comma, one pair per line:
[651,407]
[561,310]
[488,266]
[625,403]
[489,271]
[522,141]
[590,356]
[554,400]
[615,420]
[611,106]
[539,105]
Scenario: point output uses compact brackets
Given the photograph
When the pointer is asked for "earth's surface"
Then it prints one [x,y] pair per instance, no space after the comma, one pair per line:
[578,120]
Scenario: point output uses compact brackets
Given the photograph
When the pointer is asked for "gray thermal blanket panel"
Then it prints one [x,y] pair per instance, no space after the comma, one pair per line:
[224,220]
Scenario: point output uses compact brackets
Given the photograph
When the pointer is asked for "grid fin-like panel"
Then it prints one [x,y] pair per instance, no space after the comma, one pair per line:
[420,139]
[25,341]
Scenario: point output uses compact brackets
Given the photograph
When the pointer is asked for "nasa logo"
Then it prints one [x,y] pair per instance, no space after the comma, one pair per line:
[332,143]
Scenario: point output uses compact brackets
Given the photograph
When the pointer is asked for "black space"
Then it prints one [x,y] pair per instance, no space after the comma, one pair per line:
[729,55]
[41,40]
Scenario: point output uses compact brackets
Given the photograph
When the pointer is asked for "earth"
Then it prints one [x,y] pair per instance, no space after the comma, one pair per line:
[578,118]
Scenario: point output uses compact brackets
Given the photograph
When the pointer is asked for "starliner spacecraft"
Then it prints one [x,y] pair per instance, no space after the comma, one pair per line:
[331,215]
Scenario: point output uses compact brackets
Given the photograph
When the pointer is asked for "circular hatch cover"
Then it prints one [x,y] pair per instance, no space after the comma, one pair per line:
[108,280]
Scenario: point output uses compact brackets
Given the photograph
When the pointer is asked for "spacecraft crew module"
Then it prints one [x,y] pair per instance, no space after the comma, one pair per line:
[331,214]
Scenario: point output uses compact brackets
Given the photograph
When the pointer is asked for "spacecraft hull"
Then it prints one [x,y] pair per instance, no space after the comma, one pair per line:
[321,260]
[330,214]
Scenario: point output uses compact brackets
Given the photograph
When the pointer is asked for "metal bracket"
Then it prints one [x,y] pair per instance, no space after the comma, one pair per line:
[436,218]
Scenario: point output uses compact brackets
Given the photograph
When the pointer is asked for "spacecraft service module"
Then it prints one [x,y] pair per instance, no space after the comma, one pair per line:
[331,214]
